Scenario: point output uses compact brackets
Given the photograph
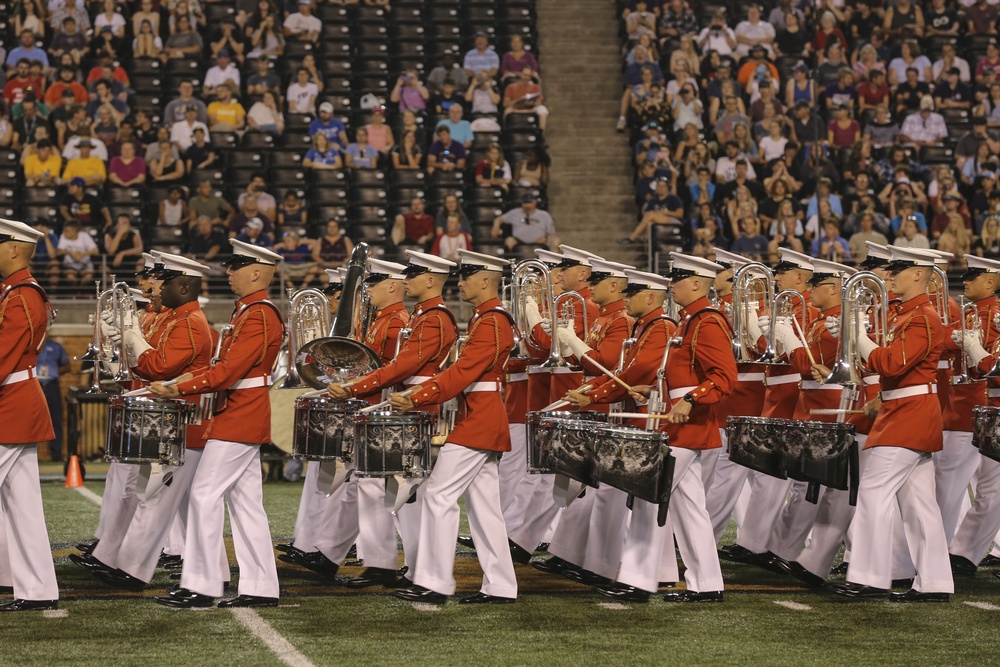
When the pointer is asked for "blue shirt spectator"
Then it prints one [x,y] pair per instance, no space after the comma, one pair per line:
[836,206]
[696,188]
[481,58]
[332,128]
[29,53]
[897,221]
[329,157]
[836,248]
[460,131]
[365,157]
[452,153]
[754,247]
[633,73]
[51,358]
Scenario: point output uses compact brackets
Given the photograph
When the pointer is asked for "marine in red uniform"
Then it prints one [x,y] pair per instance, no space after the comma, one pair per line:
[899,470]
[24,318]
[468,463]
[229,471]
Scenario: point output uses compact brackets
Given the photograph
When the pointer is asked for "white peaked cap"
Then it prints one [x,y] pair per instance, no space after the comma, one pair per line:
[13,230]
[688,265]
[422,262]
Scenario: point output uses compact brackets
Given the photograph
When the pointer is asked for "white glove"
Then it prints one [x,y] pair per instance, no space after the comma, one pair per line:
[832,325]
[764,325]
[107,316]
[865,344]
[531,313]
[974,350]
[754,330]
[784,335]
[569,339]
[111,332]
[135,345]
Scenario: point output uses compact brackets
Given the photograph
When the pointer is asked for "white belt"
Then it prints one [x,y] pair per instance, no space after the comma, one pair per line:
[482,386]
[252,383]
[993,393]
[872,379]
[781,379]
[944,363]
[751,377]
[679,392]
[19,376]
[812,385]
[517,377]
[416,379]
[590,378]
[907,392]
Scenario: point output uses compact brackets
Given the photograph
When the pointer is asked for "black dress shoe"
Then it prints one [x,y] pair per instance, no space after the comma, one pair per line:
[88,562]
[420,594]
[622,593]
[962,566]
[840,569]
[734,553]
[119,579]
[174,565]
[902,583]
[990,561]
[483,598]
[916,596]
[166,559]
[321,565]
[285,547]
[771,562]
[694,596]
[352,553]
[802,574]
[858,592]
[544,546]
[400,582]
[585,577]
[519,554]
[467,542]
[6,590]
[29,605]
[248,601]
[372,576]
[87,546]
[182,598]
[553,565]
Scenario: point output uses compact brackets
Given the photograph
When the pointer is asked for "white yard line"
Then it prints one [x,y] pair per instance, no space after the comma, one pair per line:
[262,630]
[985,606]
[55,613]
[615,606]
[425,607]
[794,606]
[89,495]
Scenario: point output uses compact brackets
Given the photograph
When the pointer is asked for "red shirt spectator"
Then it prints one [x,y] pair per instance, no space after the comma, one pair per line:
[13,92]
[53,96]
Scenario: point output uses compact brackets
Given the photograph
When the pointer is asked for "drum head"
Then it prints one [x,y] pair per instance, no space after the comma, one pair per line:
[283,415]
[326,360]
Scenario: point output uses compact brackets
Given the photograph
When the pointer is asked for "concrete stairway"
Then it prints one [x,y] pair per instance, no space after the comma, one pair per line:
[591,195]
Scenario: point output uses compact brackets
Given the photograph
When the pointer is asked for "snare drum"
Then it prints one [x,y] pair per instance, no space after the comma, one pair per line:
[389,444]
[324,428]
[541,447]
[635,461]
[986,430]
[142,429]
[757,443]
[819,452]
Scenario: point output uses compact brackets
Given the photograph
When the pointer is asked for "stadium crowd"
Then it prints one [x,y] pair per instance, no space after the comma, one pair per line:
[815,126]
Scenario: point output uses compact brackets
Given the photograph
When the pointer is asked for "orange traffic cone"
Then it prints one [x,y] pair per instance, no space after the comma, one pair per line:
[74,478]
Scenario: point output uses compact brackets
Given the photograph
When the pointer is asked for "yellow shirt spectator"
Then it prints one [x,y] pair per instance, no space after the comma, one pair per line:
[226,113]
[35,168]
[90,169]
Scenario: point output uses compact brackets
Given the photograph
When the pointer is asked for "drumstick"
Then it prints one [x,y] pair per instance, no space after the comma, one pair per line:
[805,343]
[384,404]
[636,415]
[835,411]
[610,375]
[313,394]
[145,390]
[562,403]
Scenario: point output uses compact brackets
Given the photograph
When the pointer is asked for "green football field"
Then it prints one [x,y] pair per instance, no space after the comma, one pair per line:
[765,620]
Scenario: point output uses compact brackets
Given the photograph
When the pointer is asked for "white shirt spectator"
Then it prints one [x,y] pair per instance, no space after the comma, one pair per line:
[762,30]
[900,66]
[297,23]
[930,130]
[117,22]
[717,41]
[964,75]
[725,169]
[216,76]
[772,149]
[84,242]
[182,134]
[530,229]
[302,99]
[70,151]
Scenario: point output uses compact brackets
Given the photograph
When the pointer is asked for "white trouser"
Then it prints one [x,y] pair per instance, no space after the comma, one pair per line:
[954,467]
[725,490]
[641,558]
[904,477]
[473,473]
[311,505]
[337,528]
[229,474]
[407,522]
[793,526]
[28,553]
[377,527]
[175,538]
[5,576]
[569,542]
[118,502]
[525,504]
[513,466]
[609,518]
[152,522]
[539,514]
[767,499]
[979,528]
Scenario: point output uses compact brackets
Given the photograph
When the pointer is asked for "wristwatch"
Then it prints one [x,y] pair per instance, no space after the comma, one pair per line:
[690,399]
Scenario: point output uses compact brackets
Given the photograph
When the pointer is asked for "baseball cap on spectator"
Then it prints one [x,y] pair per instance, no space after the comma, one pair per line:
[77,181]
[528,198]
[651,125]
[757,47]
[85,143]
[800,67]
[480,33]
[326,107]
[951,195]
[224,53]
[255,223]
[988,174]
[43,143]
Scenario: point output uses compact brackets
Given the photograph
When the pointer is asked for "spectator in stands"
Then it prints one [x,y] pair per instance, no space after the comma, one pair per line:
[361,154]
[257,188]
[639,21]
[333,248]
[882,131]
[68,8]
[322,155]
[184,43]
[206,203]
[45,257]
[493,171]
[332,127]
[168,166]
[224,73]
[227,37]
[756,66]
[292,211]
[173,211]
[515,60]
[664,208]
[981,17]
[459,128]
[449,69]
[482,96]
[676,21]
[731,117]
[297,267]
[42,167]
[177,107]
[841,92]
[146,13]
[951,205]
[907,210]
[533,171]
[407,154]
[207,241]
[925,128]
[123,244]
[831,245]
[451,205]
[110,18]
[254,234]
[867,63]
[968,144]
[14,90]
[717,36]
[949,59]
[302,25]
[482,58]
[642,60]
[453,239]
[445,153]
[302,93]
[128,169]
[843,131]
[409,93]
[182,132]
[952,93]
[225,114]
[77,250]
[266,38]
[955,238]
[800,87]
[910,92]
[753,32]
[988,242]
[448,97]
[70,40]
[807,127]
[265,116]
[525,96]
[56,93]
[910,56]
[200,154]
[414,228]
[84,133]
[750,242]
[910,236]
[26,51]
[103,97]
[707,237]
[740,205]
[828,34]
[90,169]
[264,79]
[856,245]
[145,129]
[380,134]
[833,62]
[249,210]
[874,92]
[700,192]
[791,40]
[787,231]
[525,224]
[688,110]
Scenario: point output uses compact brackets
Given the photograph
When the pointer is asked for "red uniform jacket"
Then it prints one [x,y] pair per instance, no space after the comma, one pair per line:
[747,397]
[248,353]
[915,340]
[482,424]
[432,334]
[606,336]
[703,366]
[515,395]
[383,336]
[812,394]
[782,392]
[543,339]
[24,317]
[962,397]
[184,344]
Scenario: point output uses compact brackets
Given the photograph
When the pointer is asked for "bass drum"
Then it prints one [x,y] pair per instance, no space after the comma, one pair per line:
[283,415]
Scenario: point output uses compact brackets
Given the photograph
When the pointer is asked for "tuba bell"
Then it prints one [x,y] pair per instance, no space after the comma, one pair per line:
[747,282]
[862,293]
[308,320]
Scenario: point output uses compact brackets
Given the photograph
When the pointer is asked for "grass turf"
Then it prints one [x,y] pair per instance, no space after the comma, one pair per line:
[554,622]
